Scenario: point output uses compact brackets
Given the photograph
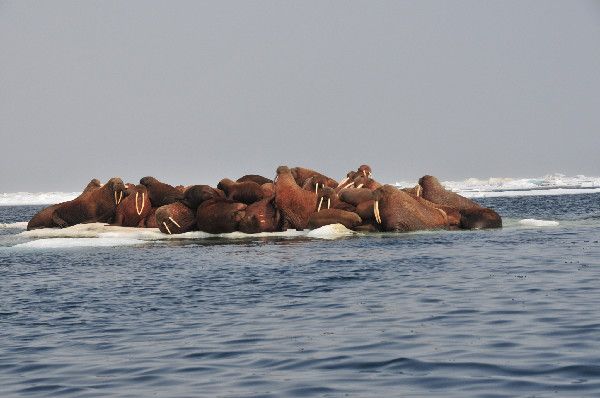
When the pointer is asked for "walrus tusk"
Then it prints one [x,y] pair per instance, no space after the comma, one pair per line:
[316,189]
[174,222]
[360,186]
[376,212]
[137,210]
[418,190]
[443,214]
[365,173]
[168,230]
[120,196]
[328,203]
[116,203]
[143,202]
[320,203]
[343,181]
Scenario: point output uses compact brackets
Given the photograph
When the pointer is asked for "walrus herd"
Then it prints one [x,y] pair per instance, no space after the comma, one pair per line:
[298,198]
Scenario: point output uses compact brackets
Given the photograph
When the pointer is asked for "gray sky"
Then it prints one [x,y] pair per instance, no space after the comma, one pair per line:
[191,92]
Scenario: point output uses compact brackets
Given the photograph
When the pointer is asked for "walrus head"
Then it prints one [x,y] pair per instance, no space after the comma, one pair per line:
[197,194]
[148,181]
[118,188]
[380,194]
[365,170]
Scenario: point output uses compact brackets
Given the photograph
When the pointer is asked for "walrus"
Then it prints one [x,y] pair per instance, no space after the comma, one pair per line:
[43,218]
[261,216]
[302,174]
[175,218]
[195,195]
[134,209]
[334,216]
[475,215]
[295,204]
[246,192]
[160,193]
[395,210]
[97,205]
[354,196]
[219,215]
[328,198]
[260,180]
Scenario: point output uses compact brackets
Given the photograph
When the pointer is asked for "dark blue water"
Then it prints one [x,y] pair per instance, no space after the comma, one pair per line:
[511,312]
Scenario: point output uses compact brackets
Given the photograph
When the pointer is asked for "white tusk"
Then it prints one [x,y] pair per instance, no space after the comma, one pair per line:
[120,196]
[116,203]
[419,190]
[376,212]
[168,230]
[320,203]
[137,210]
[360,186]
[365,173]
[143,200]
[174,222]
[316,189]
[444,215]
[343,181]
[328,203]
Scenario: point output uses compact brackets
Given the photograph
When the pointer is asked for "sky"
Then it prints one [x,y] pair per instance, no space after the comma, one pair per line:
[191,92]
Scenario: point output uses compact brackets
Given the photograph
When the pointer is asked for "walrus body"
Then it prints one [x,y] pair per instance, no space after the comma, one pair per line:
[160,193]
[97,205]
[43,219]
[220,215]
[246,192]
[334,216]
[295,204]
[261,216]
[134,209]
[175,218]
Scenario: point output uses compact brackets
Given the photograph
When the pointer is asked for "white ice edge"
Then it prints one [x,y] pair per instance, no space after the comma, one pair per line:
[97,234]
[532,222]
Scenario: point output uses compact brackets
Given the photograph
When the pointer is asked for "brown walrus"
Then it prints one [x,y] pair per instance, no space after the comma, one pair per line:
[295,204]
[475,216]
[96,205]
[397,211]
[134,209]
[246,192]
[334,216]
[220,215]
[43,218]
[160,193]
[261,216]
[175,218]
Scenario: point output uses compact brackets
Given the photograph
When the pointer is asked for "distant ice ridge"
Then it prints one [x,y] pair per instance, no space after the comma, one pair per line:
[35,198]
[552,184]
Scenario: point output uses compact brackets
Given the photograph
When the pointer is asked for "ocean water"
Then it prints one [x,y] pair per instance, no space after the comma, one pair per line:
[108,312]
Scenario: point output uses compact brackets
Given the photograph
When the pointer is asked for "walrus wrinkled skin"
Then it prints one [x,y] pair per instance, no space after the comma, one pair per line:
[334,216]
[246,192]
[43,218]
[475,216]
[302,174]
[175,218]
[260,180]
[160,193]
[295,204]
[220,215]
[397,211]
[97,205]
[134,209]
[261,216]
[195,195]
[355,196]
